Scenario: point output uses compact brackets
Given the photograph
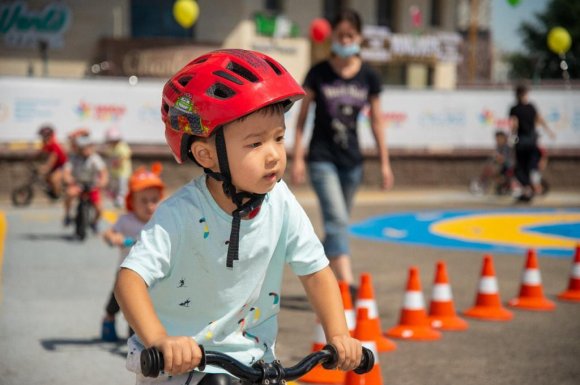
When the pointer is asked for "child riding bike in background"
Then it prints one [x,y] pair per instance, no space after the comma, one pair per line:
[145,193]
[498,169]
[118,155]
[208,266]
[85,168]
[52,169]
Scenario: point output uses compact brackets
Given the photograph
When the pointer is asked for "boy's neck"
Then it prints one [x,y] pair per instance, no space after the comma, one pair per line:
[223,201]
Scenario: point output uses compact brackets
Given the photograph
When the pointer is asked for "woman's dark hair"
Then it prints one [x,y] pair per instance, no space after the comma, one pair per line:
[349,15]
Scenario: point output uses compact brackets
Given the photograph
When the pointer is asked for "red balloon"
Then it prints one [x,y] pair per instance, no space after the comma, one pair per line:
[319,29]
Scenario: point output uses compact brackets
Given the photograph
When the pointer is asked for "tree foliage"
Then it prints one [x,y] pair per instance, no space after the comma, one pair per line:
[537,61]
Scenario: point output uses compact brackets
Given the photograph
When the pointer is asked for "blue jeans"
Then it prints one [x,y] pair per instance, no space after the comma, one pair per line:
[335,188]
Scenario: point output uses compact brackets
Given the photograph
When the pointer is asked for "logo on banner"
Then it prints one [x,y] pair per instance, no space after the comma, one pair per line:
[488,119]
[25,28]
[391,118]
[100,112]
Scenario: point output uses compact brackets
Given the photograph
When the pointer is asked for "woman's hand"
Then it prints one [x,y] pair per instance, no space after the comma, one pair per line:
[388,177]
[349,351]
[298,173]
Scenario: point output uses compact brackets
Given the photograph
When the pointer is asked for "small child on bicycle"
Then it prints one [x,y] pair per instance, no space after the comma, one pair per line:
[84,169]
[498,170]
[208,267]
[118,155]
[145,193]
[52,168]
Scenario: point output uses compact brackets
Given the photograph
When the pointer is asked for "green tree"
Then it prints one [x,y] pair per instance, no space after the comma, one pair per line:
[537,61]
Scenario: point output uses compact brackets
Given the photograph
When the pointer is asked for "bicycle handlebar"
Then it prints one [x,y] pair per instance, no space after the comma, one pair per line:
[261,372]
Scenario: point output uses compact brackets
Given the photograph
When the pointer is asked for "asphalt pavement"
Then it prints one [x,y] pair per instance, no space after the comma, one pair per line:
[54,290]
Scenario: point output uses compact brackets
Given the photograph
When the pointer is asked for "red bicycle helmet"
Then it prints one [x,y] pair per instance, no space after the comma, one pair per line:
[218,88]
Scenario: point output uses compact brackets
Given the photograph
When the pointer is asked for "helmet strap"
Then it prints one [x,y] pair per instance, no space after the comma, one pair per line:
[242,209]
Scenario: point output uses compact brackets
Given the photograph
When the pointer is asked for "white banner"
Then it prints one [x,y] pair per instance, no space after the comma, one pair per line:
[436,120]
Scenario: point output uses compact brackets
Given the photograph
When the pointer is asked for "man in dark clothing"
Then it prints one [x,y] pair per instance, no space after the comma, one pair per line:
[523,118]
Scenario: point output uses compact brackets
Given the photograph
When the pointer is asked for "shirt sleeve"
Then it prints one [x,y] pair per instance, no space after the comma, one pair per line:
[374,82]
[310,80]
[152,255]
[304,252]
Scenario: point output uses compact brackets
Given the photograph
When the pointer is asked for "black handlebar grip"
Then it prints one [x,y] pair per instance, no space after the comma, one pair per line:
[367,362]
[152,361]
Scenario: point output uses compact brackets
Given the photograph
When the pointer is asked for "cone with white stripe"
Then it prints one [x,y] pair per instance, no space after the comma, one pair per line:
[531,295]
[366,299]
[488,303]
[573,291]
[319,375]
[442,313]
[364,334]
[348,308]
[414,324]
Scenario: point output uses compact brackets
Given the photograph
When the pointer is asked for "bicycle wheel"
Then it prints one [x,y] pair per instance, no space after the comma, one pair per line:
[22,196]
[82,220]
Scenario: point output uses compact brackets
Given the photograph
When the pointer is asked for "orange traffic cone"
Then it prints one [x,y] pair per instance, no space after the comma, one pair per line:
[442,311]
[413,323]
[488,304]
[531,295]
[363,333]
[366,299]
[573,291]
[319,375]
[348,308]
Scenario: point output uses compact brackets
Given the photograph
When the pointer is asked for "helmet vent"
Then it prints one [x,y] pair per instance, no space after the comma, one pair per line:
[220,91]
[166,108]
[274,67]
[200,60]
[184,80]
[242,71]
[228,76]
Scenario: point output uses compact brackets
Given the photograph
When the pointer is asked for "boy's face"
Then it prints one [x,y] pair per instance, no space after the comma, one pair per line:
[87,151]
[256,152]
[145,202]
[500,140]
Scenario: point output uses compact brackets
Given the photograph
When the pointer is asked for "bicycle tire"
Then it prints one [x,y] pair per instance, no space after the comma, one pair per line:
[22,196]
[82,220]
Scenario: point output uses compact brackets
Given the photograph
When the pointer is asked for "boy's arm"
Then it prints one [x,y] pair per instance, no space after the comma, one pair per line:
[181,354]
[324,295]
[113,238]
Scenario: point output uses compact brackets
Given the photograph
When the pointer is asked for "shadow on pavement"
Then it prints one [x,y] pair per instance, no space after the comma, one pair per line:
[50,237]
[115,348]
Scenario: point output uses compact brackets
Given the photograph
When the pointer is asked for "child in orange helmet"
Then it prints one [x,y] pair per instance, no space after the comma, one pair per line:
[145,192]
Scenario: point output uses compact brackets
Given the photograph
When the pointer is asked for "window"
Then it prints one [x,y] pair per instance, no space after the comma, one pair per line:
[154,18]
[436,13]
[385,13]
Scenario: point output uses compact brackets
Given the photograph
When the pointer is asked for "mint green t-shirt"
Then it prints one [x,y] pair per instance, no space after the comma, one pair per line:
[181,256]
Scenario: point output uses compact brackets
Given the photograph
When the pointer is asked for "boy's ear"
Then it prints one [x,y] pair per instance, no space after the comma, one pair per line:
[204,153]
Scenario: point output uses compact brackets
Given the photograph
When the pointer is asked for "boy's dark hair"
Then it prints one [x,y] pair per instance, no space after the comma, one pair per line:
[500,133]
[521,90]
[349,15]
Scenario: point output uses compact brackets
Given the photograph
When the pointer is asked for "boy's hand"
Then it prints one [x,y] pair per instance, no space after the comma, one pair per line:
[349,351]
[180,354]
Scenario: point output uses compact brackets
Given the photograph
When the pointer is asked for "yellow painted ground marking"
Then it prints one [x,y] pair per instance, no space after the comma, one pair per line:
[508,229]
[110,216]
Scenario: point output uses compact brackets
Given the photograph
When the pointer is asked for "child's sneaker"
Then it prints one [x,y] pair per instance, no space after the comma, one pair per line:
[108,332]
[67,221]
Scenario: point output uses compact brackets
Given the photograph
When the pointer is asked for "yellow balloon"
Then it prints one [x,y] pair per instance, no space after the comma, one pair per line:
[185,12]
[559,40]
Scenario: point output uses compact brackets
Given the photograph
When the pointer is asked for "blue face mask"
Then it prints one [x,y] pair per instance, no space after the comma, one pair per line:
[345,51]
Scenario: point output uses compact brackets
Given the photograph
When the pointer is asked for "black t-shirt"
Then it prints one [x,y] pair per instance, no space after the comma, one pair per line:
[338,104]
[526,114]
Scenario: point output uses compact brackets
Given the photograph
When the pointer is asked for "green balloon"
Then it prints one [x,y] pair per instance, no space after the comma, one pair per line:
[513,3]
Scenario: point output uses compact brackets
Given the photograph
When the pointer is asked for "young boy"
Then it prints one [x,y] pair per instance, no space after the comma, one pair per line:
[145,193]
[84,168]
[208,268]
[52,168]
[119,156]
